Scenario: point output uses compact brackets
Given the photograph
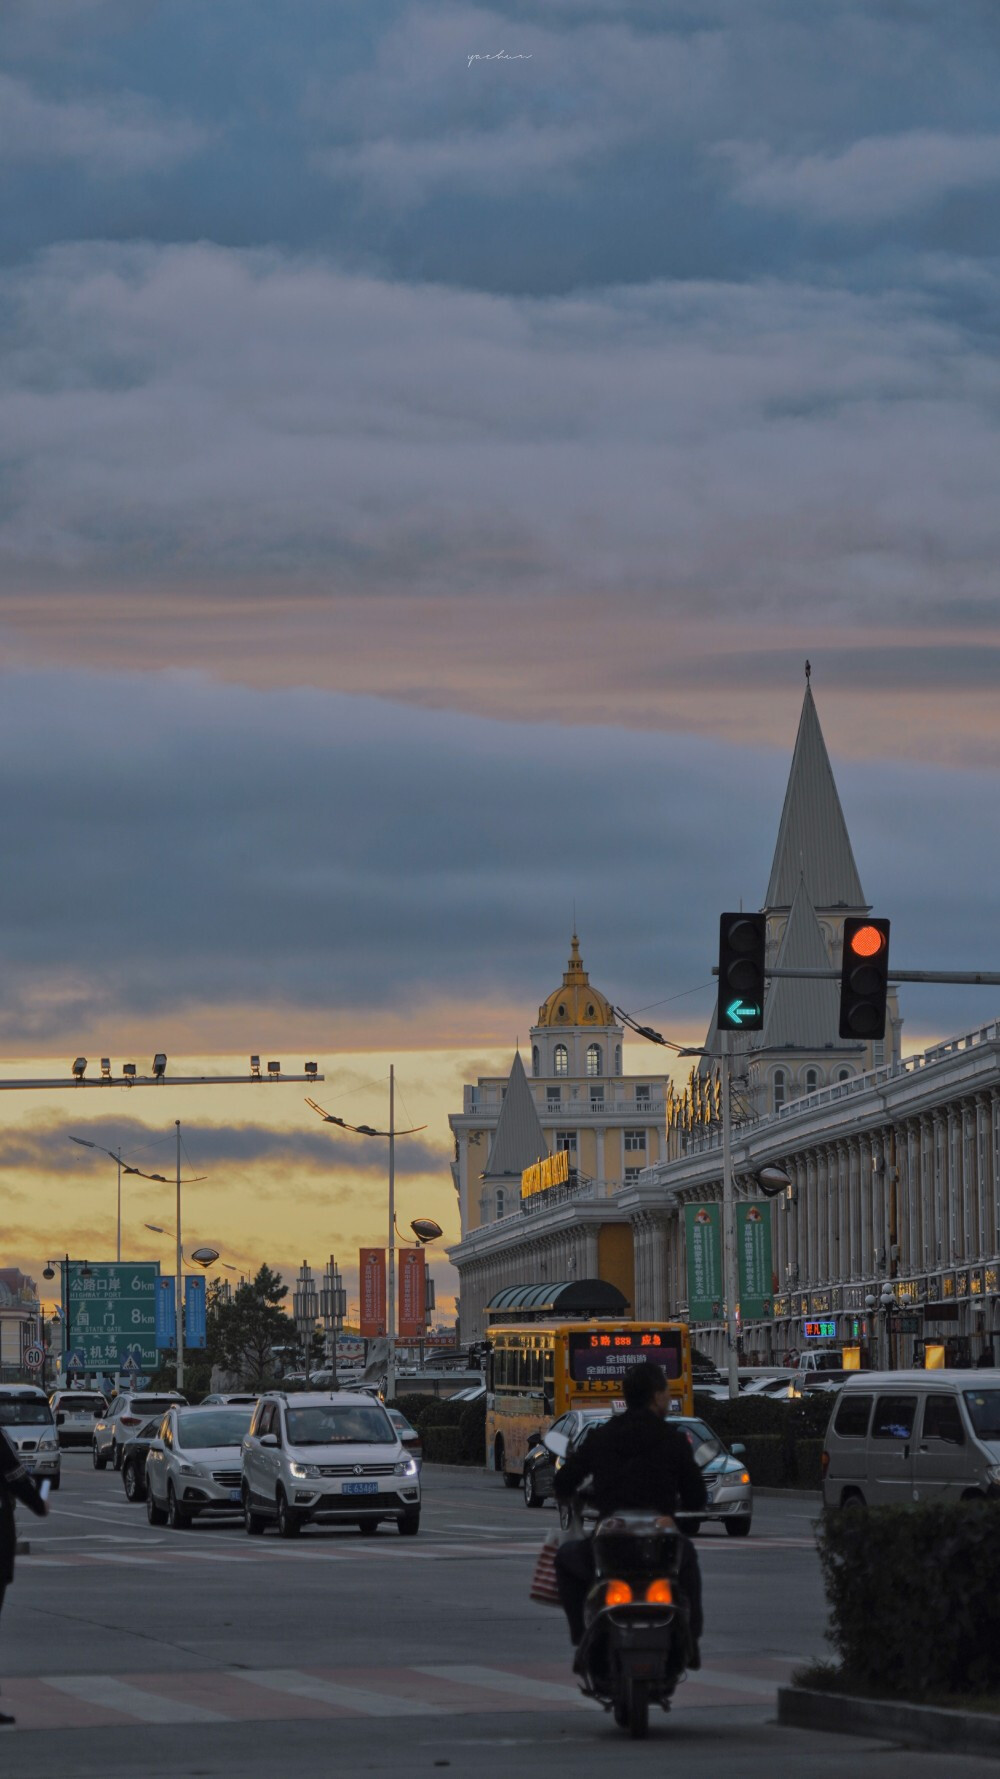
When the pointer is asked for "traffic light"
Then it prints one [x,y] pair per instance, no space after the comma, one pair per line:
[864,978]
[742,941]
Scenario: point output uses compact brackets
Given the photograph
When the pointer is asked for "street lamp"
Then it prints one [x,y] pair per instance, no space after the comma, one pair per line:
[83,1272]
[365,1130]
[883,1306]
[115,1155]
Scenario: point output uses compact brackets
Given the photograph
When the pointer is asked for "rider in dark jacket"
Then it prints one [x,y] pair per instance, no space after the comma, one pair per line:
[635,1460]
[14,1482]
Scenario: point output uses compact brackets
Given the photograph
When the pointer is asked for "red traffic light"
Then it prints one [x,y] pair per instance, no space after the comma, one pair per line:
[868,941]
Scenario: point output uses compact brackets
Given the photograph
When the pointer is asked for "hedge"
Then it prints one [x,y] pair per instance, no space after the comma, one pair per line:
[914,1597]
[784,1440]
[765,1460]
[442,1445]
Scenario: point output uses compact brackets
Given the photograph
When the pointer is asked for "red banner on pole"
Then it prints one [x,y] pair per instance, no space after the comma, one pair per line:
[412,1295]
[372,1276]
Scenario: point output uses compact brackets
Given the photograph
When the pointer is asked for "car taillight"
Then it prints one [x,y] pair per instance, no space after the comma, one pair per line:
[617,1593]
[131,1420]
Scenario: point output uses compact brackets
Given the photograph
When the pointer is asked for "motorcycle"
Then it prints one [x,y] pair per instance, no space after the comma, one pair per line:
[636,1624]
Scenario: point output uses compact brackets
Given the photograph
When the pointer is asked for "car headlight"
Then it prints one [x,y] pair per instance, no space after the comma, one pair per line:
[303,1470]
[191,1469]
[48,1445]
[993,1473]
[406,1467]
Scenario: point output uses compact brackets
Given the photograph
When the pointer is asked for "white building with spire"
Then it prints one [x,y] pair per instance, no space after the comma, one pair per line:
[894,1162]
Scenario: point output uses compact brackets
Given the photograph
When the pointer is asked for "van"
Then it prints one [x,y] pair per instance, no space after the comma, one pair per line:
[899,1437]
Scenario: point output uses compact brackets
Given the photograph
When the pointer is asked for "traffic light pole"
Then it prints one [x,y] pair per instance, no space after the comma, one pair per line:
[729,1271]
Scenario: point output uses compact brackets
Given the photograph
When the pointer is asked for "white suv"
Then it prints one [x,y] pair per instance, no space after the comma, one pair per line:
[327,1456]
[26,1418]
[124,1417]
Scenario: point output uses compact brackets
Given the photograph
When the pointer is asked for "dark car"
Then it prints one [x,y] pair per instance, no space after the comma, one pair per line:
[133,1465]
[538,1477]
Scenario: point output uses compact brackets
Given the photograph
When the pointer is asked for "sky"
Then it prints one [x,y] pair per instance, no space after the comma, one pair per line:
[433,439]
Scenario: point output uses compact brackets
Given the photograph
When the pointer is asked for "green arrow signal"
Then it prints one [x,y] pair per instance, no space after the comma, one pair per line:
[739,1010]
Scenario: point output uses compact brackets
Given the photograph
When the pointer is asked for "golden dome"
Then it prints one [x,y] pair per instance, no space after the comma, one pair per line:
[575,1003]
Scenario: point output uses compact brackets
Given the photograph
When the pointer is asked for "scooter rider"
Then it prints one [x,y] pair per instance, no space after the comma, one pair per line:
[636,1460]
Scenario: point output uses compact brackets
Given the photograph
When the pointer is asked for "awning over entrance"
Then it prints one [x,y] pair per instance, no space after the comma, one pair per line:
[543,1303]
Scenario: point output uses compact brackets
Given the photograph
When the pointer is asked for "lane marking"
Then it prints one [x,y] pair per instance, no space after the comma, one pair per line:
[329,1692]
[103,1689]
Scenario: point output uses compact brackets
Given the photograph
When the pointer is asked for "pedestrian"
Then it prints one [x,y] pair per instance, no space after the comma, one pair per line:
[986,1360]
[14,1481]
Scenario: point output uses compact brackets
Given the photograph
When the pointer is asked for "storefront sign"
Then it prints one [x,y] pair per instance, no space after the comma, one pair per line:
[819,1331]
[781,1307]
[553,1171]
[703,1231]
[961,1284]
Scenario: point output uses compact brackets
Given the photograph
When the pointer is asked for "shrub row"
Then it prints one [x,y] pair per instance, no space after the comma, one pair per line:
[914,1597]
[777,1463]
[783,1440]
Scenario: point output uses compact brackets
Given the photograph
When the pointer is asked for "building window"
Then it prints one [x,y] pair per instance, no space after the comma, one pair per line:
[631,1175]
[593,1059]
[843,1074]
[635,1139]
[500,1203]
[642,1097]
[553,1096]
[779,1088]
[561,1060]
[812,1080]
[566,1139]
[597,1096]
[535,1060]
[618,1059]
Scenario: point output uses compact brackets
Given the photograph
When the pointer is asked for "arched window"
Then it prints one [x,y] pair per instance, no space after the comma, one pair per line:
[535,1059]
[561,1060]
[843,1074]
[618,1059]
[780,1080]
[812,1080]
[593,1059]
[501,1201]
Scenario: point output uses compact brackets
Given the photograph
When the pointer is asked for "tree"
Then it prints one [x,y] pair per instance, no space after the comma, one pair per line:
[248,1328]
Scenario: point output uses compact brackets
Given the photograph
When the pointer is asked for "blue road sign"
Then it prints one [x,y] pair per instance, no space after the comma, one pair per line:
[131,1358]
[74,1361]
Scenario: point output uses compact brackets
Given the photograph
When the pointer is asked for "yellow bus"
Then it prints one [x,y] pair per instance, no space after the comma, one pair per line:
[536,1372]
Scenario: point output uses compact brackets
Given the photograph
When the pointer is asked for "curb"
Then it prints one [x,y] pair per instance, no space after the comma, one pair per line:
[913,1726]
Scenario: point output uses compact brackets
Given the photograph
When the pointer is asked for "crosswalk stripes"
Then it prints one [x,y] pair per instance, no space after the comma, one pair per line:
[423,1690]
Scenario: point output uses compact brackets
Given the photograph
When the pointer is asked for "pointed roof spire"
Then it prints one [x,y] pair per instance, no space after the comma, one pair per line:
[801,1012]
[812,836]
[519,1140]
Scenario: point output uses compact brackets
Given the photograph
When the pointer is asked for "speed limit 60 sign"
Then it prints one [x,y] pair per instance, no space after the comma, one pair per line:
[33,1358]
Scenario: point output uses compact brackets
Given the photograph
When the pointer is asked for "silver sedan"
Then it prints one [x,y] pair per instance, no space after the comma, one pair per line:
[195,1465]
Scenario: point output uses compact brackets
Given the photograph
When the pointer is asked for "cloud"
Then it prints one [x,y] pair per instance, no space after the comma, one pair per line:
[876,180]
[193,415]
[123,134]
[45,1147]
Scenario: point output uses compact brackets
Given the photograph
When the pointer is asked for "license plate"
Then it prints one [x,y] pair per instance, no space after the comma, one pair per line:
[353,1488]
[236,1495]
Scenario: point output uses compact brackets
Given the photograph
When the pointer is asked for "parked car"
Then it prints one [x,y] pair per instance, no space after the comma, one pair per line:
[899,1437]
[334,1457]
[407,1434]
[75,1412]
[134,1459]
[27,1420]
[194,1465]
[125,1415]
[238,1398]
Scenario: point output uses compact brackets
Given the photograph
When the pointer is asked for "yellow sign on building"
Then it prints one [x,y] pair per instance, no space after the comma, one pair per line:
[553,1171]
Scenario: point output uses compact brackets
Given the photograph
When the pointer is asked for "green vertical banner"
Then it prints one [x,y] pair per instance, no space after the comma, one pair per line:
[753,1250]
[703,1230]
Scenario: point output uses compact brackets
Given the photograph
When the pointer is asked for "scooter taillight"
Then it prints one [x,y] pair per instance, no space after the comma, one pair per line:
[617,1593]
[660,1592]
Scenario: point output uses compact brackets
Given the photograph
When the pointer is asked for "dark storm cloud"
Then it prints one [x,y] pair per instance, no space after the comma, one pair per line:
[173,845]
